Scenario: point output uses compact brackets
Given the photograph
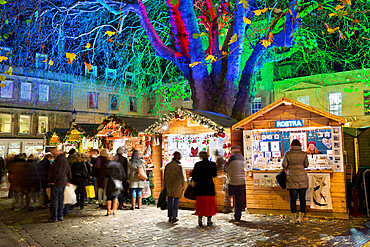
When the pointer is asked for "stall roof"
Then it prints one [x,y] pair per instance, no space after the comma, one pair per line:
[355,132]
[139,123]
[88,128]
[287,101]
[62,132]
[218,118]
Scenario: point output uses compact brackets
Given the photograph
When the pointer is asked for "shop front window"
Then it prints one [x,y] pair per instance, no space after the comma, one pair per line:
[14,148]
[256,105]
[335,103]
[7,91]
[43,125]
[304,100]
[24,124]
[5,123]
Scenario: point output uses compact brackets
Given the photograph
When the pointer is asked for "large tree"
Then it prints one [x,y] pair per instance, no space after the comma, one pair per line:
[217,45]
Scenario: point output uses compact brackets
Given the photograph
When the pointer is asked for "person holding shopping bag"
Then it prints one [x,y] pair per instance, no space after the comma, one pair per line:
[294,162]
[136,183]
[174,184]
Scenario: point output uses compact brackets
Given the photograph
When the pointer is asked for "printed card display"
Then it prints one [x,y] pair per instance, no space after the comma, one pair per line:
[275,146]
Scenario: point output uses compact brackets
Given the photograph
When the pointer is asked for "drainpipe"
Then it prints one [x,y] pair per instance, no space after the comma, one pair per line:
[355,143]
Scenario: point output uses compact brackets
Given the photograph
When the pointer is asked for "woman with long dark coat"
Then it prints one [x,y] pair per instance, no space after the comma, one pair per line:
[115,174]
[203,173]
[80,177]
[294,162]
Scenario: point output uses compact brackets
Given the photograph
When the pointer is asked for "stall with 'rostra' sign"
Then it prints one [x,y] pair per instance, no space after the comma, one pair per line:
[266,137]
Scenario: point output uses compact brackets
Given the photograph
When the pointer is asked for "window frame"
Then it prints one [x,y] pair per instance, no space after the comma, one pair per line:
[256,101]
[111,96]
[7,49]
[95,96]
[10,124]
[134,100]
[335,108]
[30,92]
[29,124]
[366,96]
[93,72]
[108,71]
[39,61]
[7,82]
[47,92]
[39,125]
[305,97]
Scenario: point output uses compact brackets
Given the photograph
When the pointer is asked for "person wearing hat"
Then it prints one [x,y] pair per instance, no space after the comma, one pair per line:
[311,148]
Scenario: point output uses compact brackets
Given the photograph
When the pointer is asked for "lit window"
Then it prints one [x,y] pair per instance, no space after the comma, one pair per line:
[133,104]
[7,91]
[93,100]
[367,102]
[41,61]
[335,103]
[110,74]
[24,124]
[93,72]
[304,99]
[6,52]
[43,125]
[113,102]
[5,123]
[44,92]
[256,105]
[26,90]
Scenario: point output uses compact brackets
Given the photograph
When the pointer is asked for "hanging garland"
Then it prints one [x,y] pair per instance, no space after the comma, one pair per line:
[126,129]
[180,114]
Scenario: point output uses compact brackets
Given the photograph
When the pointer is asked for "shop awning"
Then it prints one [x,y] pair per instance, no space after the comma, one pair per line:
[218,118]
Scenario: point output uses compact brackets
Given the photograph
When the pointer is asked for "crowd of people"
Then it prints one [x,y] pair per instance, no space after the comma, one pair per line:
[41,183]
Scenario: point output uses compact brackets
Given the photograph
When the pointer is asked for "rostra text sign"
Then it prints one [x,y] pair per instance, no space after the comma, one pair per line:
[289,123]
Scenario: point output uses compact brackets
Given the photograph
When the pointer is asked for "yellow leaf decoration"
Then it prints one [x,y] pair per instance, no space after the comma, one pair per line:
[233,39]
[332,14]
[51,63]
[277,11]
[346,2]
[224,53]
[88,67]
[45,61]
[110,33]
[193,64]
[342,13]
[246,20]
[2,78]
[265,43]
[88,46]
[271,37]
[70,57]
[212,58]
[3,58]
[9,71]
[196,35]
[260,11]
[245,3]
[203,34]
[338,7]
[332,30]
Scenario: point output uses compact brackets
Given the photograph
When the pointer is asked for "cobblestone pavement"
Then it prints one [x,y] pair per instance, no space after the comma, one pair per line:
[149,227]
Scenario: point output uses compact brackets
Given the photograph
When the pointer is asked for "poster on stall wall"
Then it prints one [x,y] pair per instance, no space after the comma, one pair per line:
[320,191]
[302,137]
[95,144]
[84,143]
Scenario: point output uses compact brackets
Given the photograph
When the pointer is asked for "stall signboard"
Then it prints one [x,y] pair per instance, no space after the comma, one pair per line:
[289,123]
[75,136]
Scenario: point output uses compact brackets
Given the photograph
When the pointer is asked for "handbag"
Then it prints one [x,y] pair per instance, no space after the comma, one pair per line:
[142,173]
[281,179]
[70,195]
[146,191]
[90,191]
[190,191]
[118,184]
[162,200]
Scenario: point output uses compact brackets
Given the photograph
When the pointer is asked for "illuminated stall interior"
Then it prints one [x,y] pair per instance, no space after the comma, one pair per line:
[189,131]
[266,136]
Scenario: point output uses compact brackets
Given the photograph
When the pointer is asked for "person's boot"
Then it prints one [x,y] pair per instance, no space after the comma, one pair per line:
[209,221]
[300,217]
[294,218]
[109,204]
[115,206]
[170,219]
[200,223]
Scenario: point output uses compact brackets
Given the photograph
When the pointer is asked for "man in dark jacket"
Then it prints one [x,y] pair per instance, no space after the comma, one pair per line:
[59,177]
[123,161]
[43,171]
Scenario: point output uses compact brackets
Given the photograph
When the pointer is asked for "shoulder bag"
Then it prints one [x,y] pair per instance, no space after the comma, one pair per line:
[281,179]
[141,173]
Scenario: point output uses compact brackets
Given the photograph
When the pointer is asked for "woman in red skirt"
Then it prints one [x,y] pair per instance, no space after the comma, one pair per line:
[203,173]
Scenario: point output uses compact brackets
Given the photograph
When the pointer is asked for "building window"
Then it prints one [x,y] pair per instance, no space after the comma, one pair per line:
[113,102]
[256,105]
[92,73]
[187,93]
[7,90]
[151,104]
[366,102]
[110,74]
[167,95]
[258,75]
[5,52]
[5,123]
[26,91]
[93,100]
[41,61]
[335,103]
[129,77]
[304,99]
[133,104]
[24,124]
[43,125]
[44,90]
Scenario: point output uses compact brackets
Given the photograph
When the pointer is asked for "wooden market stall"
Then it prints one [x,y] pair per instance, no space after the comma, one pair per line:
[266,136]
[80,137]
[126,132]
[189,132]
